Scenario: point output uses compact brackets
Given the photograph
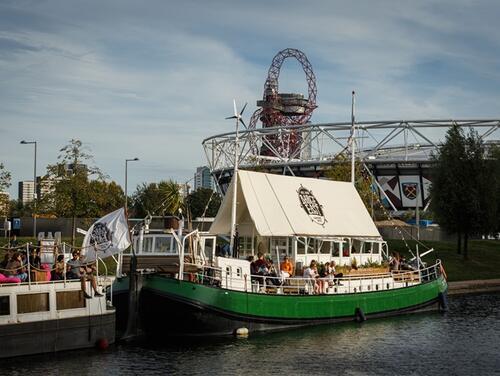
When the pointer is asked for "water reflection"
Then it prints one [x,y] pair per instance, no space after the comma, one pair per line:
[463,341]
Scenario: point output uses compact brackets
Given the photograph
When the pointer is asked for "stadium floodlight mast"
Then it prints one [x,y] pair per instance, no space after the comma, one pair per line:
[126,178]
[23,142]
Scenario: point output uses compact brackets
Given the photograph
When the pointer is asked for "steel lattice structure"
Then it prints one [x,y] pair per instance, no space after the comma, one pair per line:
[404,143]
[278,109]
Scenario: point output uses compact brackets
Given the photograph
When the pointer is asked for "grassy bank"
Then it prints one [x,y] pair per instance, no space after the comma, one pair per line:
[483,262]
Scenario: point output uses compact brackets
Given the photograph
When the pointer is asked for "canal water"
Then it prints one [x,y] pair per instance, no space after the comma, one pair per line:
[464,341]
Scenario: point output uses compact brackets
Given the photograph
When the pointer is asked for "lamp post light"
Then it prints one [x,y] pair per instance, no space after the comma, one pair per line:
[23,142]
[126,177]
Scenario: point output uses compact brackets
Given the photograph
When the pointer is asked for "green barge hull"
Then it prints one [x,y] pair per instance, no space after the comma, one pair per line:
[169,306]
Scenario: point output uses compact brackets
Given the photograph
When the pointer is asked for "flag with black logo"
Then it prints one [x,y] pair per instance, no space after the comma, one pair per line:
[106,237]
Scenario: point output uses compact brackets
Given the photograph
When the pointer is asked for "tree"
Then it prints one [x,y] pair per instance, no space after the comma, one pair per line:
[461,192]
[70,176]
[198,200]
[160,198]
[4,184]
[340,170]
[172,197]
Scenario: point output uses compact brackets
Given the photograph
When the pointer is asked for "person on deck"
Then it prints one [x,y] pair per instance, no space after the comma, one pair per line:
[85,272]
[335,275]
[286,268]
[312,273]
[59,269]
[15,267]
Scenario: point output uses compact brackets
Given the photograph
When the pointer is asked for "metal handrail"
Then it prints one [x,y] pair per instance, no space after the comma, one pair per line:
[300,283]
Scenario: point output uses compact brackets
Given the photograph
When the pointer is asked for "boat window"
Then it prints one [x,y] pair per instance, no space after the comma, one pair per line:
[4,306]
[367,247]
[245,245]
[208,247]
[311,246]
[147,245]
[356,246]
[325,247]
[279,243]
[69,300]
[163,244]
[228,270]
[27,303]
[336,249]
[376,248]
[301,248]
[238,272]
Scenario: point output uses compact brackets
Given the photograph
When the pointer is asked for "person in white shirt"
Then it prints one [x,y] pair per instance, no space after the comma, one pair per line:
[312,273]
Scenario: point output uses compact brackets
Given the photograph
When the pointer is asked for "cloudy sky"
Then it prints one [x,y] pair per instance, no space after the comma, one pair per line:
[152,79]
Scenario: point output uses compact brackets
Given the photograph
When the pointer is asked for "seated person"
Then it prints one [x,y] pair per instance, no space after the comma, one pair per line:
[272,272]
[335,275]
[15,267]
[312,273]
[85,272]
[260,265]
[286,268]
[35,260]
[73,266]
[59,269]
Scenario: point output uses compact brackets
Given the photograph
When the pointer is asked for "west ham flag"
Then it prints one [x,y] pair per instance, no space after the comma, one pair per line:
[107,236]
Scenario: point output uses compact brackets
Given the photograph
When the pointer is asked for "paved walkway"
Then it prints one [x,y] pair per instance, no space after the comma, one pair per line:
[474,286]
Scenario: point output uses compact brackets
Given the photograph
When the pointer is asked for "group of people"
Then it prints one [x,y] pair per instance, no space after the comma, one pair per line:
[322,280]
[14,268]
[264,269]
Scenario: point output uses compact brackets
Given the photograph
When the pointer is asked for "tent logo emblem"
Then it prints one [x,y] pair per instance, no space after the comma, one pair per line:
[311,206]
[410,190]
[100,237]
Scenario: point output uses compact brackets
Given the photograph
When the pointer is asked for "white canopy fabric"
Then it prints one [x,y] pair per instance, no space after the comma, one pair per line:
[277,205]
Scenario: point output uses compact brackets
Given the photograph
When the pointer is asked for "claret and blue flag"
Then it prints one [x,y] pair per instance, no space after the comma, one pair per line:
[107,236]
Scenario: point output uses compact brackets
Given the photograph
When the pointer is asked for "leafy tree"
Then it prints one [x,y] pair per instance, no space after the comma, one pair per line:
[146,199]
[172,197]
[461,191]
[71,194]
[340,170]
[160,198]
[198,200]
[104,197]
[4,184]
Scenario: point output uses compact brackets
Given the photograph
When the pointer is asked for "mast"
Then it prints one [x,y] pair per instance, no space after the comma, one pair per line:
[235,174]
[353,139]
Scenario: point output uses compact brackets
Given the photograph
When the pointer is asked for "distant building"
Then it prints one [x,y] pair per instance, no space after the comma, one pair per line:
[71,167]
[26,191]
[184,189]
[203,178]
[45,186]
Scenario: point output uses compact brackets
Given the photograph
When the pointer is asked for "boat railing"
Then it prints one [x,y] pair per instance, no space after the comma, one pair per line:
[102,279]
[218,277]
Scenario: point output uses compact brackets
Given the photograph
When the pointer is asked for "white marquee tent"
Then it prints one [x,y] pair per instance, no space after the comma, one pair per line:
[277,205]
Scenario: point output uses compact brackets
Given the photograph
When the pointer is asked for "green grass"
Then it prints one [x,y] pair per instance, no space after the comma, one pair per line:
[483,262]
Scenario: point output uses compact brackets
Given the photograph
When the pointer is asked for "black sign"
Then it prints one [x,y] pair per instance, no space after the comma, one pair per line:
[311,206]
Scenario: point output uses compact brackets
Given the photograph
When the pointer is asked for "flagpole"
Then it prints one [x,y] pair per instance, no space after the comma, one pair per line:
[353,139]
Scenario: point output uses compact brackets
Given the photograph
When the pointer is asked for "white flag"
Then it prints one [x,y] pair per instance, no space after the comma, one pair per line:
[107,236]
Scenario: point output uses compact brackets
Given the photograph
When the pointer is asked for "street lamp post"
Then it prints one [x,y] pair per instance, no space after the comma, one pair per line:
[23,142]
[126,177]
